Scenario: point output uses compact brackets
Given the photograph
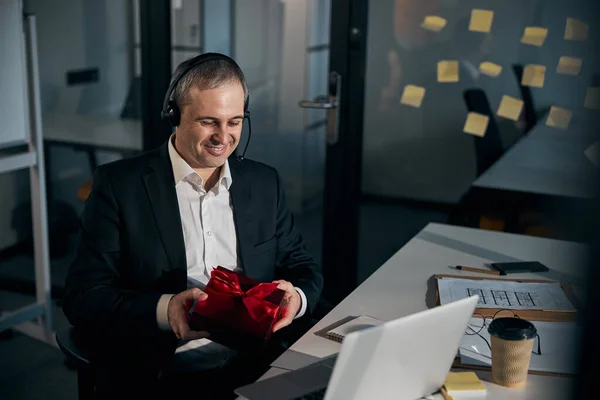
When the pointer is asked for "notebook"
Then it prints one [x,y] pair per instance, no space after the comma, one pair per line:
[464,384]
[353,324]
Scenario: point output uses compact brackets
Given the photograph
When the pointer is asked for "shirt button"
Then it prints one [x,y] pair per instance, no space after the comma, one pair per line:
[209,233]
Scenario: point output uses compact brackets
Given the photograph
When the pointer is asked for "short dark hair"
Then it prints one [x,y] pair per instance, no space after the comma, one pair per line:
[207,75]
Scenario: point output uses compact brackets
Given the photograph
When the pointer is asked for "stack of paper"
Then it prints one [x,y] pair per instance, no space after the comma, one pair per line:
[506,294]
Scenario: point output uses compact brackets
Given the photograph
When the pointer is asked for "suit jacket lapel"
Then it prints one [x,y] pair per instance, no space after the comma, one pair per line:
[241,197]
[160,186]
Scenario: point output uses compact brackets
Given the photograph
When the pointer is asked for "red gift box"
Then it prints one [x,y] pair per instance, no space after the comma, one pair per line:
[238,311]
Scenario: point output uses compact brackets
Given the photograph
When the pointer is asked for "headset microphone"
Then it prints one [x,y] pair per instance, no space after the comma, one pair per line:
[246,116]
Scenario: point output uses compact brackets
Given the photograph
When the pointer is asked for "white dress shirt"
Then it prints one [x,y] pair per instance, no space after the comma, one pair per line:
[208,228]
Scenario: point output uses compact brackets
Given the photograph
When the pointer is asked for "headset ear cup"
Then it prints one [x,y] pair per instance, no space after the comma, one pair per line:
[176,119]
[174,115]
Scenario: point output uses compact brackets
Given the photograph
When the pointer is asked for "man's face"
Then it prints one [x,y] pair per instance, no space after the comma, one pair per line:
[211,125]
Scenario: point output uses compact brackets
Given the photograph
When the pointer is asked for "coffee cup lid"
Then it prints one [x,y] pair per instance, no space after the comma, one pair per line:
[512,329]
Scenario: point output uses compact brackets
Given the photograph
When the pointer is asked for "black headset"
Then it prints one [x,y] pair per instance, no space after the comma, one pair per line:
[171,112]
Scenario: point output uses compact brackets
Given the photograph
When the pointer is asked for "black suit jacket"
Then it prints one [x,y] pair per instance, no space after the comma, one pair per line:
[131,248]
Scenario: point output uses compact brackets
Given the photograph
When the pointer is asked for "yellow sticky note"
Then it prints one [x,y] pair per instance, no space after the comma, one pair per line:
[534,35]
[481,20]
[476,124]
[569,65]
[559,117]
[413,95]
[592,98]
[534,75]
[463,381]
[576,29]
[510,108]
[593,153]
[433,23]
[490,69]
[447,71]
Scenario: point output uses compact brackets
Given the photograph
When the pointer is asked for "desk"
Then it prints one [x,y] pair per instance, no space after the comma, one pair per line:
[402,286]
[90,133]
[547,161]
[95,132]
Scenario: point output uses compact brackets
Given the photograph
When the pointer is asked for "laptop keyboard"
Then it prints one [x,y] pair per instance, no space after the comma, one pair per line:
[317,395]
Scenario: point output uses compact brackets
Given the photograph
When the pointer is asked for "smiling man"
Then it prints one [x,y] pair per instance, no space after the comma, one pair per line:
[156,225]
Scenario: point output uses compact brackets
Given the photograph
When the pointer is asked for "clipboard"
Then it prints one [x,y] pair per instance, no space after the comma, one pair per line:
[458,364]
[532,315]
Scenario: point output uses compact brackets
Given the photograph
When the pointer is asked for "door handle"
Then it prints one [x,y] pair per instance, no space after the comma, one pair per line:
[331,104]
[318,102]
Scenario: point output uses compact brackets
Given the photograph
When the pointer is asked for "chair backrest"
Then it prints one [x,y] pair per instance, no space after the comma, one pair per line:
[489,147]
[528,105]
[132,109]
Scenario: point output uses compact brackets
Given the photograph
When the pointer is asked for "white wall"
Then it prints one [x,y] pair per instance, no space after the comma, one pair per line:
[422,153]
[78,34]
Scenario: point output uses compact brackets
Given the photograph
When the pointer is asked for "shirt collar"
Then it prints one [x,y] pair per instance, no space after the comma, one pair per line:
[181,169]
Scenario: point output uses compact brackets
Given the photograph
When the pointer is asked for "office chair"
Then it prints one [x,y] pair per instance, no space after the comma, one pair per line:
[531,117]
[489,147]
[476,209]
[494,211]
[78,355]
[132,108]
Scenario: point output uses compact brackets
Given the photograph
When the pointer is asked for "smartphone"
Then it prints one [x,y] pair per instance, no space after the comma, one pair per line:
[519,266]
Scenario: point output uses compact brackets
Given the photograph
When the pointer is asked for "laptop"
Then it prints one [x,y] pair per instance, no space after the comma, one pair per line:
[407,358]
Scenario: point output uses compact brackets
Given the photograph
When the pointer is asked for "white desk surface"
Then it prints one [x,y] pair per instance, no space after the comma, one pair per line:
[400,287]
[547,161]
[94,131]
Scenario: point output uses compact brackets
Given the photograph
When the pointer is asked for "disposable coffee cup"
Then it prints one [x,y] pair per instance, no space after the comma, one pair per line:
[512,343]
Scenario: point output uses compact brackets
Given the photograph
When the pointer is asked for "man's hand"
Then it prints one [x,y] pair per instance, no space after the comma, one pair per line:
[291,305]
[178,312]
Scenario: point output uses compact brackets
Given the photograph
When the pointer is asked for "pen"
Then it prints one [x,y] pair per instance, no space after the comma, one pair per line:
[445,394]
[478,270]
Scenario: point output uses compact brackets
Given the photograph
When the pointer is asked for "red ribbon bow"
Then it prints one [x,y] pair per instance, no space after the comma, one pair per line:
[262,300]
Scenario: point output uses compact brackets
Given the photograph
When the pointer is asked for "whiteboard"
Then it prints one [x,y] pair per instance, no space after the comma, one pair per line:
[14,128]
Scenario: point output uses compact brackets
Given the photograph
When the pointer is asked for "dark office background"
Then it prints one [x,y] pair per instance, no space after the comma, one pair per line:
[106,64]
